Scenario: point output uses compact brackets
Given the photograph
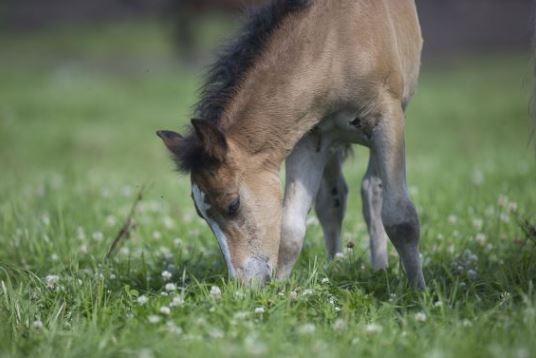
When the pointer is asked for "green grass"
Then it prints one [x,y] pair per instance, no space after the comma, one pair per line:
[78,110]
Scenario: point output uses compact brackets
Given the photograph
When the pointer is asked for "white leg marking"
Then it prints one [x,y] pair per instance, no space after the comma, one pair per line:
[371,192]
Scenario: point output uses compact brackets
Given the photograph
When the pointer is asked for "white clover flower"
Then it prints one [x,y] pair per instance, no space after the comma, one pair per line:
[112,276]
[177,301]
[239,294]
[177,242]
[80,234]
[241,315]
[505,296]
[438,304]
[505,217]
[154,319]
[166,275]
[307,292]
[339,256]
[83,249]
[339,325]
[259,310]
[293,295]
[373,328]
[170,287]
[173,328]
[142,299]
[111,220]
[45,219]
[165,252]
[420,317]
[52,281]
[97,236]
[168,222]
[254,346]
[165,310]
[215,333]
[472,274]
[477,177]
[478,223]
[157,235]
[188,217]
[466,323]
[306,329]
[452,219]
[512,206]
[480,238]
[126,190]
[37,324]
[54,257]
[215,292]
[503,200]
[325,280]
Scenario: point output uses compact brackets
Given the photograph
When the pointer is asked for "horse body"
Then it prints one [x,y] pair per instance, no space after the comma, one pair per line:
[331,73]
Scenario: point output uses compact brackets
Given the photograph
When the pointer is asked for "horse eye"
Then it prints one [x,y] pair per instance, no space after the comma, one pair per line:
[233,207]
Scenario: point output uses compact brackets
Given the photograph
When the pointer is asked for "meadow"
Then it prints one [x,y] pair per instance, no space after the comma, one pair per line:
[78,110]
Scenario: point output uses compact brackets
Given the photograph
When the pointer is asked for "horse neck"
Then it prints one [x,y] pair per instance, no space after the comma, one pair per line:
[269,121]
[274,108]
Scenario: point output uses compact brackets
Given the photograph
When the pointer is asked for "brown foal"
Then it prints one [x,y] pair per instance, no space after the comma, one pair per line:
[305,79]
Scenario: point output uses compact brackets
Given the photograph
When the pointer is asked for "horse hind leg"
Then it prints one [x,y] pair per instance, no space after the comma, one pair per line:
[398,213]
[371,194]
[330,203]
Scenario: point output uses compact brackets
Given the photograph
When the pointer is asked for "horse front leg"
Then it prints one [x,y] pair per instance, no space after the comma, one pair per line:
[398,213]
[304,168]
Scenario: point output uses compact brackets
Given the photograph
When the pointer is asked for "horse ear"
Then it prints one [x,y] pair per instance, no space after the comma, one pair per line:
[171,139]
[212,137]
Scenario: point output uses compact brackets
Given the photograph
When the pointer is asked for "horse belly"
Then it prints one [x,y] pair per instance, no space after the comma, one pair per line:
[345,127]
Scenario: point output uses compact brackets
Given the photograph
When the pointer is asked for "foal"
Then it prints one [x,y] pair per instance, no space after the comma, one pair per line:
[304,80]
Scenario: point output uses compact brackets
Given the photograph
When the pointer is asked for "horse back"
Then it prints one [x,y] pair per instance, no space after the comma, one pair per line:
[372,46]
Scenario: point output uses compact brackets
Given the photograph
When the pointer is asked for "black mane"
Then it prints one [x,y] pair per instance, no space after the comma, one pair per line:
[232,64]
[237,58]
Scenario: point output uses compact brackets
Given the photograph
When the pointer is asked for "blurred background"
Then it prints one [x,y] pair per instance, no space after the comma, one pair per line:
[84,85]
[455,26]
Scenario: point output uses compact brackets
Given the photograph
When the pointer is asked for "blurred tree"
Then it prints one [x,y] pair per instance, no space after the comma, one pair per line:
[185,13]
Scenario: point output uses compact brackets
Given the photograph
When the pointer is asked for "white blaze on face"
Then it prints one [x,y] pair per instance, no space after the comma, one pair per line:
[202,206]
